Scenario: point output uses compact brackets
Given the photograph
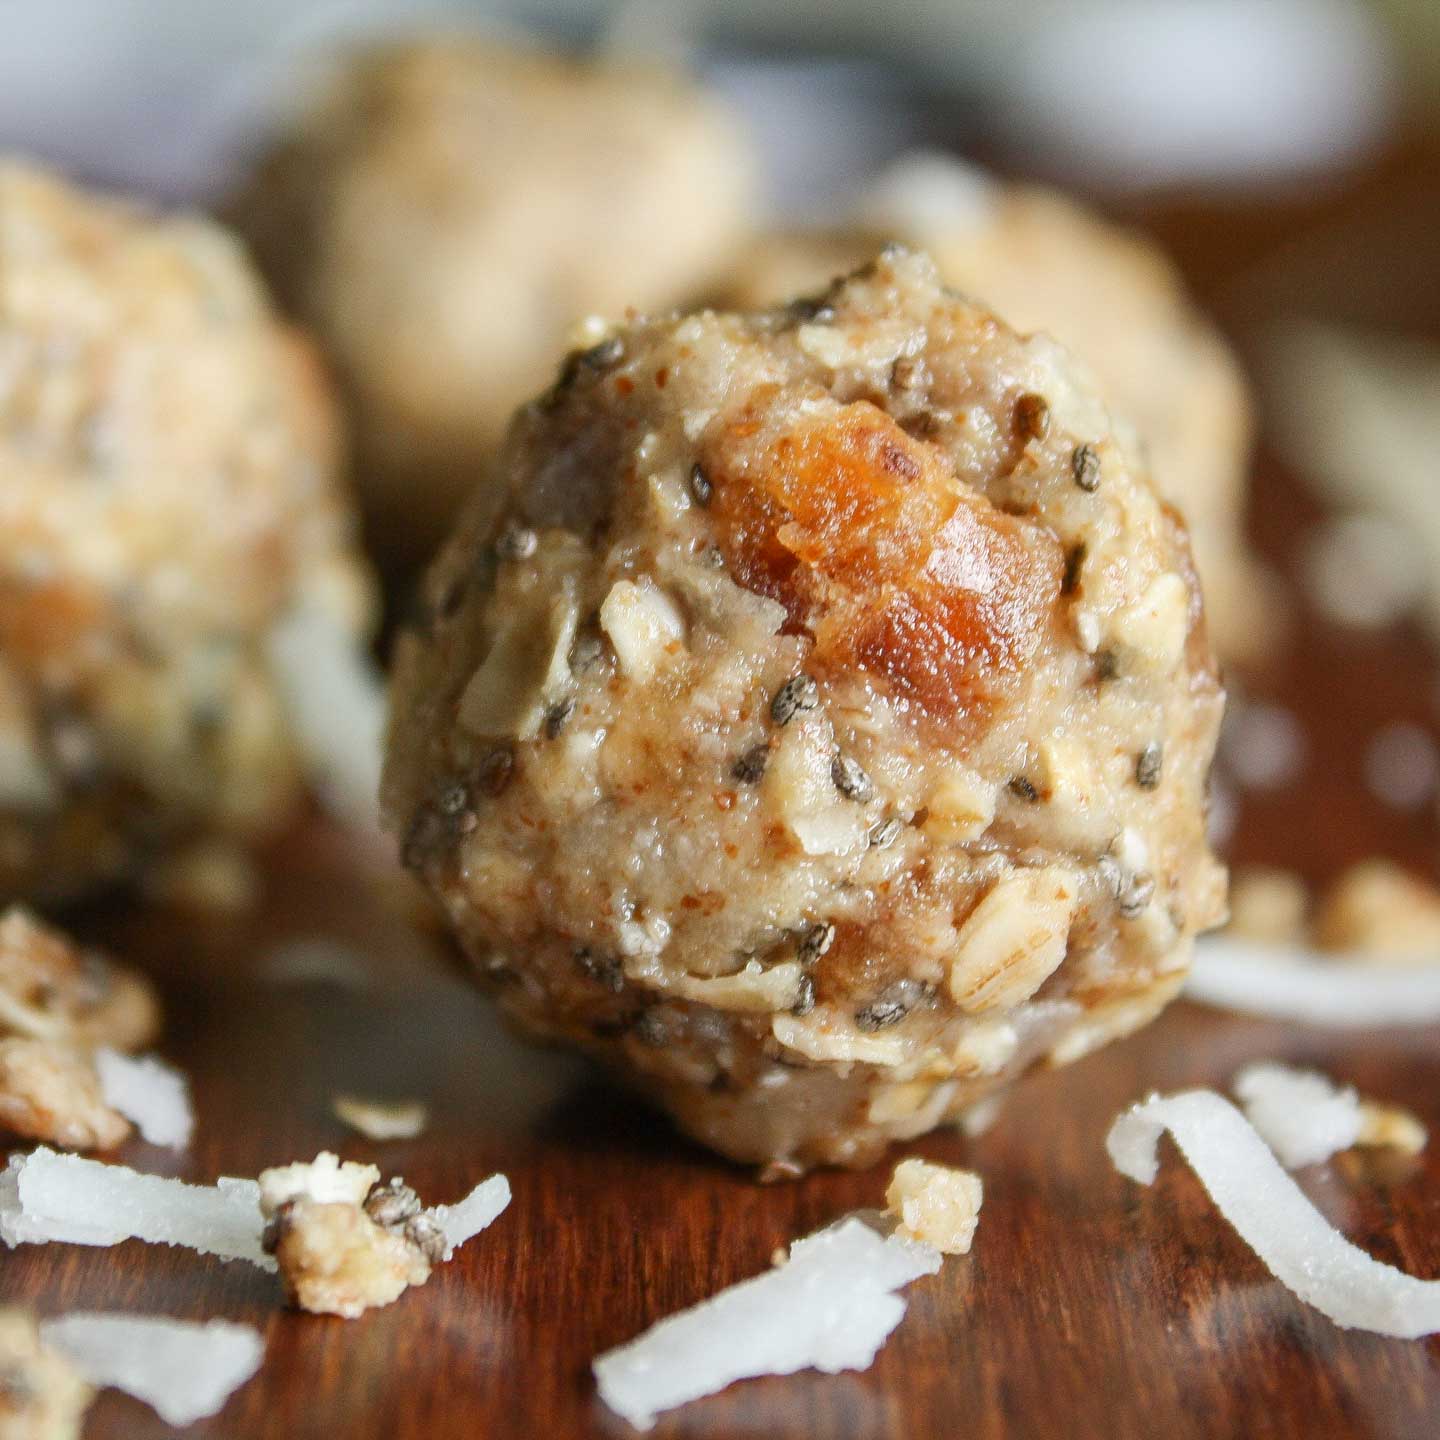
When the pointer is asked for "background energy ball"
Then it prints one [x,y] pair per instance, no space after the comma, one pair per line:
[447,211]
[812,719]
[169,498]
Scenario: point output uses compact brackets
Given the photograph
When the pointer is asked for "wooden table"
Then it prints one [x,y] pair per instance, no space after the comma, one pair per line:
[1089,1308]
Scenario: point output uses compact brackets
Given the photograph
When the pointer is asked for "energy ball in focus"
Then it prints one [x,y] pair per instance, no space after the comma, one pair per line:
[1044,263]
[817,730]
[446,212]
[167,502]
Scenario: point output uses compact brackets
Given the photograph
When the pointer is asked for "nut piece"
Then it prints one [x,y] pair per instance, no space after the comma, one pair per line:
[41,1396]
[1378,911]
[1268,906]
[51,1093]
[52,990]
[344,1242]
[936,1204]
[1014,939]
[1388,1127]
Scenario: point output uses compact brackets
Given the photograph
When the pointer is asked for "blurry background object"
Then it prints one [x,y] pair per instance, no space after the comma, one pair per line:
[446,213]
[170,459]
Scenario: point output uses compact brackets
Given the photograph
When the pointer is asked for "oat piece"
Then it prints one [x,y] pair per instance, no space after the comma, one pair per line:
[41,1395]
[381,1120]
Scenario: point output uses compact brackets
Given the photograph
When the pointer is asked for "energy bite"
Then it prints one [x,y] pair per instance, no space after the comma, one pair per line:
[170,499]
[445,211]
[812,721]
[1043,262]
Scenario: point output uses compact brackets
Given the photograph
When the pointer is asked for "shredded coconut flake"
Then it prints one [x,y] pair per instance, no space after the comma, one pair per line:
[829,1307]
[335,698]
[466,1218]
[149,1093]
[1271,1214]
[1295,984]
[45,1196]
[1300,1114]
[183,1370]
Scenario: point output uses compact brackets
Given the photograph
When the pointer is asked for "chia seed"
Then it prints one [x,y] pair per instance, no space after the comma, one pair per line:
[392,1203]
[1137,896]
[1023,789]
[805,997]
[850,780]
[814,943]
[796,696]
[749,769]
[1032,416]
[1148,765]
[586,653]
[652,1029]
[604,356]
[425,1234]
[893,1004]
[604,970]
[1074,561]
[558,716]
[813,310]
[701,488]
[1085,466]
[517,542]
[452,799]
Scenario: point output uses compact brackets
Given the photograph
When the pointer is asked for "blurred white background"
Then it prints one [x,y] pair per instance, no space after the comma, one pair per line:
[168,95]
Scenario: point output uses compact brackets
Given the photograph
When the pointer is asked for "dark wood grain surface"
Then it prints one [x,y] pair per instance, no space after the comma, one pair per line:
[1090,1308]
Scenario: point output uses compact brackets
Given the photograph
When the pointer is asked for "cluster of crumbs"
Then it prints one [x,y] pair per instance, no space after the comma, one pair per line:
[936,1204]
[42,1397]
[344,1242]
[66,1018]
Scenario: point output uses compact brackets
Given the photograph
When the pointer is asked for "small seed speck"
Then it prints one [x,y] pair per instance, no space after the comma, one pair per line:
[1148,765]
[814,943]
[558,716]
[452,799]
[885,834]
[850,780]
[1074,563]
[805,997]
[606,354]
[1085,466]
[796,696]
[1137,896]
[1024,789]
[701,488]
[517,542]
[749,769]
[495,772]
[604,970]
